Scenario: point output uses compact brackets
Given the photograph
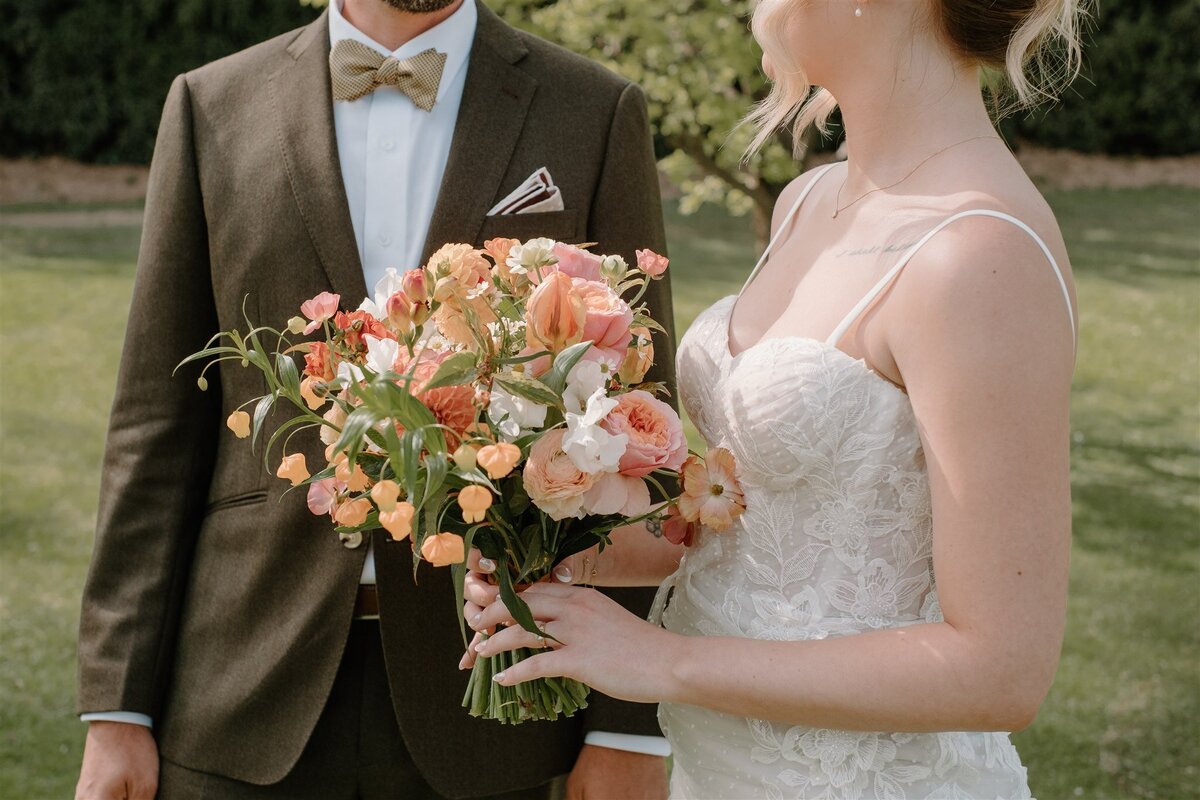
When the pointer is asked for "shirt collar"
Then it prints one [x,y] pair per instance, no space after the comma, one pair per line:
[453,36]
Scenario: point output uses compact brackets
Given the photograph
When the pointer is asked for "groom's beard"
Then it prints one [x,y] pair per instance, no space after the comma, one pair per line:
[418,6]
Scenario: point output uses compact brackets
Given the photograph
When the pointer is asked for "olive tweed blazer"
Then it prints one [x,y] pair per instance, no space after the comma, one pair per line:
[214,603]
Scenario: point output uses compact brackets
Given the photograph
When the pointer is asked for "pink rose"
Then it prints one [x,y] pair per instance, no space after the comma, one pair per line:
[656,439]
[319,309]
[607,323]
[652,263]
[577,262]
[552,480]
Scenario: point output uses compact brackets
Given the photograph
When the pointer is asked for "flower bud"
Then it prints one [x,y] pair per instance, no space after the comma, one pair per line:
[400,312]
[464,457]
[296,325]
[414,285]
[613,269]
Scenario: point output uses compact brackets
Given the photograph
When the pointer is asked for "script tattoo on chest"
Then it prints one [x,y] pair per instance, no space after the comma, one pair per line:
[875,249]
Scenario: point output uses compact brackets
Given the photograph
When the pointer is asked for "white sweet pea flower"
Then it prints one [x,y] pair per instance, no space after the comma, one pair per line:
[589,446]
[514,415]
[387,286]
[531,256]
[584,380]
[350,373]
[381,353]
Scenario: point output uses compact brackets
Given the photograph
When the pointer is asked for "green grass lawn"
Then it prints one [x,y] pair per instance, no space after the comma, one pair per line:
[1121,720]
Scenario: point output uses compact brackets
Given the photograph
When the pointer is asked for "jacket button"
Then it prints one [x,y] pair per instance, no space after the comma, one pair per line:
[351,539]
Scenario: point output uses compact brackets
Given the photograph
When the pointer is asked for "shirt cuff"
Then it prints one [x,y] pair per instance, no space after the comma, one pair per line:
[129,717]
[646,745]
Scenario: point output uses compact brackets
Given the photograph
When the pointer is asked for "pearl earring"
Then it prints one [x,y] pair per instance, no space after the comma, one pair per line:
[858,11]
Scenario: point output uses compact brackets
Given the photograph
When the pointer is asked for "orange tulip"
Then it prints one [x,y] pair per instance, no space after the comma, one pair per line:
[444,549]
[385,494]
[556,314]
[239,423]
[474,502]
[498,459]
[398,521]
[293,468]
[353,513]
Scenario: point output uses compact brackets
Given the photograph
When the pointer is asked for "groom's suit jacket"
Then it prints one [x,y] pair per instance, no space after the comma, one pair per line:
[216,604]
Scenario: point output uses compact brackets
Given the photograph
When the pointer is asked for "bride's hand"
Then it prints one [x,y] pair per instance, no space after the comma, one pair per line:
[479,591]
[595,640]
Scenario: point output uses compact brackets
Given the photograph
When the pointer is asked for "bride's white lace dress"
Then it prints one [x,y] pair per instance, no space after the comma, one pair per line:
[836,540]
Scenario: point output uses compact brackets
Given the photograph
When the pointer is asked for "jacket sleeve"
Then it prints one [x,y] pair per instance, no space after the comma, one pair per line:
[162,437]
[626,215]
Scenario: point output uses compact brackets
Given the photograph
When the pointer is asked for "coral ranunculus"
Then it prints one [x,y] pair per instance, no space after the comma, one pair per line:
[444,549]
[358,324]
[317,363]
[656,439]
[457,269]
[552,480]
[711,493]
[556,314]
[607,321]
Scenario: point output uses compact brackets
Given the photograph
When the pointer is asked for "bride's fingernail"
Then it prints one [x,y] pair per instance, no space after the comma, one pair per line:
[475,619]
[562,573]
[498,677]
[487,566]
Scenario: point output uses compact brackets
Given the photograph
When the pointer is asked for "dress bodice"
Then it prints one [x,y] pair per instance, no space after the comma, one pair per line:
[836,540]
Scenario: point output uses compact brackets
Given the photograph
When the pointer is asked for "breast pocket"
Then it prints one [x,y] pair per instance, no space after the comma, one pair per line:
[562,226]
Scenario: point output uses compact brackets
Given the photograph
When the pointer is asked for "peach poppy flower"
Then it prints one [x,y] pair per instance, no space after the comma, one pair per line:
[398,521]
[239,423]
[711,494]
[294,469]
[443,549]
[352,513]
[319,309]
[498,459]
[474,501]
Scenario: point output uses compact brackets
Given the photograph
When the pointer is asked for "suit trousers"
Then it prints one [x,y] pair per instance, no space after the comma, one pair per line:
[355,752]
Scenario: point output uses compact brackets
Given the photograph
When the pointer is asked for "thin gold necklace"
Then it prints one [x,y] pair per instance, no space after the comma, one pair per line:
[838,208]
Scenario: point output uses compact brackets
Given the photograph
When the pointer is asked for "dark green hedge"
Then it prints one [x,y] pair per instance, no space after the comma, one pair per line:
[86,78]
[1140,91]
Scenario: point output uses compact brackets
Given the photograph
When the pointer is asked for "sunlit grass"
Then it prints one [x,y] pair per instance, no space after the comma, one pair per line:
[1121,719]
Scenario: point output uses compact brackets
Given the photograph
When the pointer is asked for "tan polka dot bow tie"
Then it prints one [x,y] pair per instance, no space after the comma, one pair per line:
[358,70]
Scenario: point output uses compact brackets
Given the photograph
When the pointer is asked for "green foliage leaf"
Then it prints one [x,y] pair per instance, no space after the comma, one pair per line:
[260,415]
[354,432]
[564,362]
[458,369]
[522,385]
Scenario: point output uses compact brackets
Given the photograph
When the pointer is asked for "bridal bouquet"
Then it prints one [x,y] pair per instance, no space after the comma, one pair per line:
[494,399]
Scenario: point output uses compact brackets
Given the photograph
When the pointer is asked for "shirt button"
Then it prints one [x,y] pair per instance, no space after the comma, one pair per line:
[351,539]
[386,145]
[384,239]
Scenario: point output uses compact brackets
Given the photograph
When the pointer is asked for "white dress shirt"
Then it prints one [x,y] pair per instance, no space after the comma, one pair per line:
[393,156]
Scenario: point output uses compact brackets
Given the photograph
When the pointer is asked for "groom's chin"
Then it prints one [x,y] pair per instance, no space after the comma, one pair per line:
[418,6]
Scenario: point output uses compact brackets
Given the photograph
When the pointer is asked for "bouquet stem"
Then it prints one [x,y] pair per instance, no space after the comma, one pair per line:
[541,699]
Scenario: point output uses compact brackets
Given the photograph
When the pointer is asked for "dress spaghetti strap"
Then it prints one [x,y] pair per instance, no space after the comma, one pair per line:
[883,283]
[783,226]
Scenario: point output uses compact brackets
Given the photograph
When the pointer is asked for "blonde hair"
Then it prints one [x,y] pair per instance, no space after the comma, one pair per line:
[1035,44]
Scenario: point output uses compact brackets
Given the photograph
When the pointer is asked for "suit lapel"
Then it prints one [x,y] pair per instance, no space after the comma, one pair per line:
[495,102]
[302,106]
